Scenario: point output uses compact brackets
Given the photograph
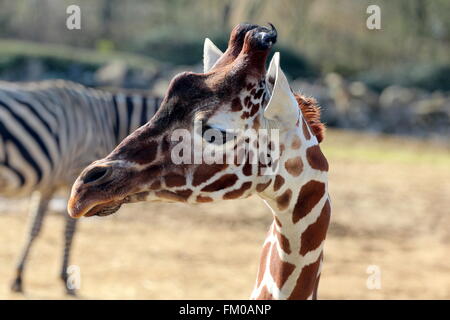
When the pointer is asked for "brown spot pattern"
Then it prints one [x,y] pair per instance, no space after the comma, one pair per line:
[204,199]
[294,166]
[314,235]
[155,185]
[254,109]
[306,281]
[238,192]
[279,181]
[279,269]
[184,193]
[262,262]
[309,195]
[283,241]
[260,187]
[250,86]
[165,144]
[204,173]
[236,105]
[259,94]
[142,154]
[284,200]
[296,143]
[223,182]
[175,180]
[316,159]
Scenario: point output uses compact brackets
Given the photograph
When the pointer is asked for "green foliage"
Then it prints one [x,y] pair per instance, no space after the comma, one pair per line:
[170,46]
[315,36]
[296,65]
[428,76]
[15,53]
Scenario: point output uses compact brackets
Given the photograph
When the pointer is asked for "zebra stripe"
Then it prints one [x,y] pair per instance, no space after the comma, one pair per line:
[49,131]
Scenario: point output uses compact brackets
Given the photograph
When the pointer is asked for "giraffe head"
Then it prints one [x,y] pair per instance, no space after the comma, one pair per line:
[183,153]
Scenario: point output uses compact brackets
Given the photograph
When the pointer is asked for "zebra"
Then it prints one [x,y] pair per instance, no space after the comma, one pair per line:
[49,131]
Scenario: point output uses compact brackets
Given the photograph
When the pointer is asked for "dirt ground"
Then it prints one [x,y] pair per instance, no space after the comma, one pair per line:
[390,209]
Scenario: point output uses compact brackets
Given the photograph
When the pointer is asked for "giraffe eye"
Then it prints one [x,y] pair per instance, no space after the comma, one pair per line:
[214,135]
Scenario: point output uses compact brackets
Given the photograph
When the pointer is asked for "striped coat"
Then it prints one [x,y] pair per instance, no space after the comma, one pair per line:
[49,131]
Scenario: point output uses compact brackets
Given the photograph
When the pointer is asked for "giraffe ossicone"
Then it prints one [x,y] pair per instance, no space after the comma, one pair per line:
[235,92]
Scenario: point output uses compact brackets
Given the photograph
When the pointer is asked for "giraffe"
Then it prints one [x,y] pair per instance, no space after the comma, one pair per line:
[234,92]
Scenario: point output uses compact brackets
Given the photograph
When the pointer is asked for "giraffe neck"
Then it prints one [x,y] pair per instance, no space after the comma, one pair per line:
[292,252]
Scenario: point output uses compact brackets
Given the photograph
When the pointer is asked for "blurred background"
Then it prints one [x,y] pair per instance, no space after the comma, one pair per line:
[385,99]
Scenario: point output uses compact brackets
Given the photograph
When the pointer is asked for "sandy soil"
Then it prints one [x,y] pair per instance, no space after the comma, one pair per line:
[391,209]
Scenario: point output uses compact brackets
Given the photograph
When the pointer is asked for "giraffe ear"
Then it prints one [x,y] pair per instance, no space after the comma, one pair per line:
[282,105]
[210,55]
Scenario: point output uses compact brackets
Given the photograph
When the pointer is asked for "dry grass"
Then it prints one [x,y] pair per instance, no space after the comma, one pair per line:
[390,208]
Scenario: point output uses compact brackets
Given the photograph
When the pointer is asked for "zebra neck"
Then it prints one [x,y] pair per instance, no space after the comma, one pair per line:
[131,110]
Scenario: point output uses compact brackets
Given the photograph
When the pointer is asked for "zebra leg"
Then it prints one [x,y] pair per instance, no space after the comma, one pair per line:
[39,204]
[68,237]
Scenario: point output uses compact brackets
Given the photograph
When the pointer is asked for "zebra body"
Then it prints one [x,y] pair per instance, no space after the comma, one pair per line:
[49,131]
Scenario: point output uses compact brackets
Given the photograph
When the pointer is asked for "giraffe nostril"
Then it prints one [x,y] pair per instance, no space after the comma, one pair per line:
[96,174]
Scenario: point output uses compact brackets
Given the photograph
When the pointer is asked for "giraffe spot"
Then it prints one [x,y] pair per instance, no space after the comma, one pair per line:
[260,187]
[223,182]
[204,173]
[155,185]
[175,180]
[315,234]
[236,105]
[165,144]
[259,94]
[238,192]
[279,181]
[279,269]
[247,101]
[306,282]
[296,143]
[185,194]
[283,241]
[262,263]
[141,155]
[306,130]
[250,86]
[294,166]
[150,173]
[254,110]
[284,200]
[265,294]
[253,91]
[204,199]
[316,159]
[245,115]
[309,195]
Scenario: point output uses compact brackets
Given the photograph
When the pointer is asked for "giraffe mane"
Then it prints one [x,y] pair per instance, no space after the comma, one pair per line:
[311,112]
